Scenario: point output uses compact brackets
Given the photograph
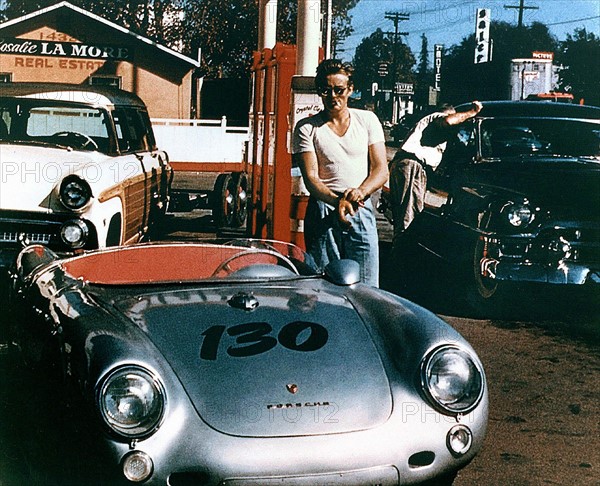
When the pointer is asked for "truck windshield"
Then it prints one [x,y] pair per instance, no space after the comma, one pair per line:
[36,121]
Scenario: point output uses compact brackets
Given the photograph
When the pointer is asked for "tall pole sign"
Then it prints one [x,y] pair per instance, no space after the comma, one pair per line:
[438,49]
[483,51]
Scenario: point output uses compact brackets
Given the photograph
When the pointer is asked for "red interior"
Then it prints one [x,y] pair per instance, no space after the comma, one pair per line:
[159,263]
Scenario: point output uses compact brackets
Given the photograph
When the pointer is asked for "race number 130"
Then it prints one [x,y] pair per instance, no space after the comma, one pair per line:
[258,337]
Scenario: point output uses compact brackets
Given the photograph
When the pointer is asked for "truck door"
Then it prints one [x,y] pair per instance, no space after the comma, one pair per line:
[141,169]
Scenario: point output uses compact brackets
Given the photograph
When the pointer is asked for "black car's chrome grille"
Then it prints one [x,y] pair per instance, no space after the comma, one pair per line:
[580,245]
[584,242]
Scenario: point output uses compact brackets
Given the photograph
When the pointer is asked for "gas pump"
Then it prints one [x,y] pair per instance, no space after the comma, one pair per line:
[282,94]
[280,99]
[305,103]
[269,160]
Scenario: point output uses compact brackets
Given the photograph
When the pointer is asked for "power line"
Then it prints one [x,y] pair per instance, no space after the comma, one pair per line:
[573,21]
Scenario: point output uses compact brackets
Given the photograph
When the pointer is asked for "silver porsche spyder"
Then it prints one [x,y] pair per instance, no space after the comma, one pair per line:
[242,364]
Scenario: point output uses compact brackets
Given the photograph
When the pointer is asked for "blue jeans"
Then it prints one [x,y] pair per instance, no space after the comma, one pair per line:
[328,239]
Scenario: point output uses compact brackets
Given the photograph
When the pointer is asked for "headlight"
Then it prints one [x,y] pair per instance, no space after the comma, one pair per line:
[519,215]
[75,193]
[74,233]
[452,379]
[132,401]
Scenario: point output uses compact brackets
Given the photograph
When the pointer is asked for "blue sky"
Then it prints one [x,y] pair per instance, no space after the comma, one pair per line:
[447,22]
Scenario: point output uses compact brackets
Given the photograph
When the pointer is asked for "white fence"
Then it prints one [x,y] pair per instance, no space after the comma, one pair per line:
[200,140]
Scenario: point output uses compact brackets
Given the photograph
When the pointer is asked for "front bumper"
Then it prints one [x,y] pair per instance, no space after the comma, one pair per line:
[21,228]
[7,258]
[565,273]
[557,255]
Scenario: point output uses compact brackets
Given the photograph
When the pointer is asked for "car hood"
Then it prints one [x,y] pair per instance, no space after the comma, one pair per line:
[302,362]
[30,173]
[563,185]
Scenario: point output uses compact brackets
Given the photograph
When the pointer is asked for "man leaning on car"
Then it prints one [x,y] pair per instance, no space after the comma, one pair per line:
[423,148]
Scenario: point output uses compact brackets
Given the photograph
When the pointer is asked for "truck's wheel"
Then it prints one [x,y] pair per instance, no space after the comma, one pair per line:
[223,204]
[240,183]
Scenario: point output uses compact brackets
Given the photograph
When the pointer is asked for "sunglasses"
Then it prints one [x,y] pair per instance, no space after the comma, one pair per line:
[336,90]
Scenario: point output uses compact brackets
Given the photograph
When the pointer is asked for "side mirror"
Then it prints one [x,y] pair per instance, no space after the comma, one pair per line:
[343,272]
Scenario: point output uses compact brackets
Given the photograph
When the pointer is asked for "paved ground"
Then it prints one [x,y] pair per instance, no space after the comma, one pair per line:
[544,383]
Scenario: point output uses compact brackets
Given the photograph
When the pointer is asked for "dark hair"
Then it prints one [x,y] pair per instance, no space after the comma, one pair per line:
[333,66]
[442,106]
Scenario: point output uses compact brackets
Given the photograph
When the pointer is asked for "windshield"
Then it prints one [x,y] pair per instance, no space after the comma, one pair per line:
[34,121]
[530,136]
[158,263]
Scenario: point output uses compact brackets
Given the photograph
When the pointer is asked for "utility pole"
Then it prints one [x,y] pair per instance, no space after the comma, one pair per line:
[395,17]
[328,39]
[521,7]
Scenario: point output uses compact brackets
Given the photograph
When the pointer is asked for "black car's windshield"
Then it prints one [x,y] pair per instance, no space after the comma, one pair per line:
[38,121]
[530,136]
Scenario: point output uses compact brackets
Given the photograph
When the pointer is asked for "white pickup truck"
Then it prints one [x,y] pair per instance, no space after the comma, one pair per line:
[79,168]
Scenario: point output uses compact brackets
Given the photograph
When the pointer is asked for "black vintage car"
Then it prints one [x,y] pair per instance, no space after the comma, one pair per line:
[516,198]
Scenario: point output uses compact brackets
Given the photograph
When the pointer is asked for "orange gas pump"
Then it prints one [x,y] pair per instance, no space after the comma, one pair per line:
[269,160]
[276,209]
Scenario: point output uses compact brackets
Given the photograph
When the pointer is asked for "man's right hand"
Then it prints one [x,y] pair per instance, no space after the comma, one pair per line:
[346,208]
[477,106]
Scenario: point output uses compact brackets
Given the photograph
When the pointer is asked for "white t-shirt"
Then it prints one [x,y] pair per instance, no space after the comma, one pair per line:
[343,161]
[427,151]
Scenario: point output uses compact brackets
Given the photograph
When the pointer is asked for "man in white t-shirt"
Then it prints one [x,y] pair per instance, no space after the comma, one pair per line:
[341,153]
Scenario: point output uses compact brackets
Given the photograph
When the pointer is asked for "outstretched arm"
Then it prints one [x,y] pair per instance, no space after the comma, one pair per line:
[459,117]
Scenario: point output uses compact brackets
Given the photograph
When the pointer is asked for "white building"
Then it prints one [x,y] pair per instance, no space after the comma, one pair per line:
[532,76]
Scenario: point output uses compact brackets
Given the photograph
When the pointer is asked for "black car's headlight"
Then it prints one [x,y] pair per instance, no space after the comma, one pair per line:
[132,401]
[452,379]
[75,192]
[518,214]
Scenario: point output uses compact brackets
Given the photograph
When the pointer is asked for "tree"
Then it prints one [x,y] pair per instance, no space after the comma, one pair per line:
[424,75]
[579,56]
[156,19]
[379,48]
[462,80]
[226,31]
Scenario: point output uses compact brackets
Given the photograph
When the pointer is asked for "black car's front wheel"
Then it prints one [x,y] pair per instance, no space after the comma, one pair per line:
[485,295]
[486,287]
